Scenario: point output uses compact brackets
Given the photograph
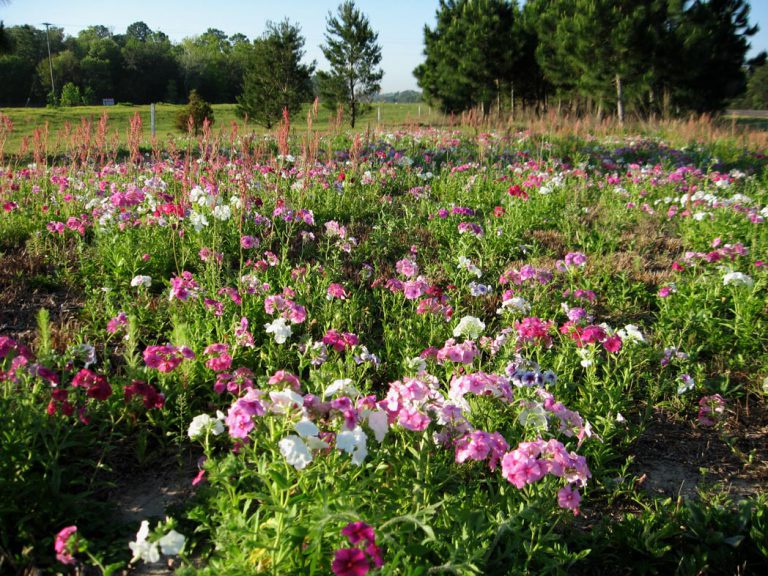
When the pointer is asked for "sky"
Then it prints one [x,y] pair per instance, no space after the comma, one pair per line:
[400,23]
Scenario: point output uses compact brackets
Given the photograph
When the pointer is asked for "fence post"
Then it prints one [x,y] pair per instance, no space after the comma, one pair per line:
[152,118]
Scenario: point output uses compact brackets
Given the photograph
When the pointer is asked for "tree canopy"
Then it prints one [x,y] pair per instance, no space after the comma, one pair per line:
[650,56]
[276,79]
[351,47]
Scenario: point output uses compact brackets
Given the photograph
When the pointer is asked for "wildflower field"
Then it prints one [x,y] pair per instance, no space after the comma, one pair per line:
[428,351]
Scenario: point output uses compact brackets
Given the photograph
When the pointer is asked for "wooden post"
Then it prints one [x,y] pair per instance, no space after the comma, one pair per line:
[152,118]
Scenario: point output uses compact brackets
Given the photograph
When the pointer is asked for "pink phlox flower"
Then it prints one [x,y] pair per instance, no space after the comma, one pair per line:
[473,446]
[336,291]
[117,322]
[407,267]
[283,376]
[569,499]
[480,384]
[214,306]
[413,420]
[239,419]
[220,360]
[462,353]
[65,545]
[242,335]
[414,289]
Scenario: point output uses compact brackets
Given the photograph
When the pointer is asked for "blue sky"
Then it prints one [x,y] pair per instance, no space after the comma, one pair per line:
[400,23]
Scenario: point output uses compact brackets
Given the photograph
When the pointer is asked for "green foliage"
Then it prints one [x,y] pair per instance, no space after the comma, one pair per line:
[471,54]
[198,110]
[276,79]
[351,47]
[70,95]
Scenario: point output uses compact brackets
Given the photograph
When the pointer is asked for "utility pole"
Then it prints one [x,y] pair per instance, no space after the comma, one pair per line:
[50,62]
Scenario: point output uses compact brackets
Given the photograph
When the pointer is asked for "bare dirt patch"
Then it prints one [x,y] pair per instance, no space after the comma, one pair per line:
[27,284]
[675,458]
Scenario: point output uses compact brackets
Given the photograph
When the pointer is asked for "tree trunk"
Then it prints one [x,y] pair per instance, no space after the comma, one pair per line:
[600,109]
[619,100]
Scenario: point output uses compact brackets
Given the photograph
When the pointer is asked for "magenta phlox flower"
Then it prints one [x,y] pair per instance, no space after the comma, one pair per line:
[65,545]
[184,287]
[233,294]
[220,360]
[214,306]
[166,358]
[534,330]
[340,341]
[96,385]
[711,410]
[359,532]
[152,398]
[350,562]
[336,291]
[242,335]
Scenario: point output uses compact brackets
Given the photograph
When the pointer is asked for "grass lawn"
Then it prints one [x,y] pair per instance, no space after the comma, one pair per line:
[61,120]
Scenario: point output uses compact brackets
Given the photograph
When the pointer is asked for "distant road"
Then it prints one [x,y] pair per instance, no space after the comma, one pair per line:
[748,113]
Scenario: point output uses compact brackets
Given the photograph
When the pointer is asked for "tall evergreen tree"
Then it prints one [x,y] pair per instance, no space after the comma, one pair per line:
[471,54]
[276,78]
[351,47]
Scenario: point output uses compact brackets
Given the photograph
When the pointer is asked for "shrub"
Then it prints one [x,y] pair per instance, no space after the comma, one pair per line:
[197,109]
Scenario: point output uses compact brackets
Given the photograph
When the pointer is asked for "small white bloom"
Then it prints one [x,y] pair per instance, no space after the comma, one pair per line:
[145,281]
[203,422]
[377,421]
[295,452]
[469,327]
[306,428]
[738,279]
[416,364]
[285,400]
[172,543]
[686,383]
[353,442]
[197,220]
[280,329]
[631,334]
[343,386]
[517,304]
[222,212]
[533,416]
[586,357]
[143,550]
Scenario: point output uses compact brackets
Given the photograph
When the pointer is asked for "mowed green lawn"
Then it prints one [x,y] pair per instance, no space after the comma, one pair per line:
[62,121]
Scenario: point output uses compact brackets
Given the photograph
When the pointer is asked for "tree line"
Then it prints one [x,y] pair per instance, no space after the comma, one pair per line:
[141,65]
[645,57]
[591,56]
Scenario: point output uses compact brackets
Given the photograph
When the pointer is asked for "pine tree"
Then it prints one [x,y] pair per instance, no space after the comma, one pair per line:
[276,78]
[352,50]
[471,54]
